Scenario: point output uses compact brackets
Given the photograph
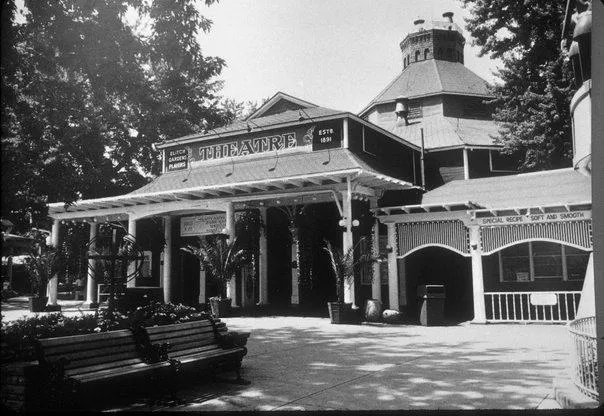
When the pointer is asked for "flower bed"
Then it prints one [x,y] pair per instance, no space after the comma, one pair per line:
[18,337]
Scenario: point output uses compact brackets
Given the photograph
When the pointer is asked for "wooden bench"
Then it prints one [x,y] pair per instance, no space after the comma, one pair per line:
[77,365]
[206,345]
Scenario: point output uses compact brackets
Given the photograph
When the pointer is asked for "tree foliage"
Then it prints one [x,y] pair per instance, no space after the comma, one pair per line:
[88,86]
[532,102]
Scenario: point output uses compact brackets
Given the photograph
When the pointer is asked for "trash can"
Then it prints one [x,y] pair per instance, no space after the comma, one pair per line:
[431,300]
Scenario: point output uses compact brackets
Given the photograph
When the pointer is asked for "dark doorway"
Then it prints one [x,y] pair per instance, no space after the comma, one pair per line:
[440,266]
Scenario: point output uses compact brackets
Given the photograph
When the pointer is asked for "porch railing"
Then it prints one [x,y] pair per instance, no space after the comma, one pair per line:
[585,357]
[552,307]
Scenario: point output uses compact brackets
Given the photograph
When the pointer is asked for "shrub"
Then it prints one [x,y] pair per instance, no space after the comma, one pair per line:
[19,337]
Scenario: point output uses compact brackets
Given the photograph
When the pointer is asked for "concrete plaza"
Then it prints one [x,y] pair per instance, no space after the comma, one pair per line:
[303,363]
[298,363]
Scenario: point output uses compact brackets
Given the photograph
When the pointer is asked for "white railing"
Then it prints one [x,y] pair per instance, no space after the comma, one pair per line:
[531,306]
[585,356]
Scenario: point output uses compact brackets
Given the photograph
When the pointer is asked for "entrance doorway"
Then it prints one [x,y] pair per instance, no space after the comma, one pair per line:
[440,266]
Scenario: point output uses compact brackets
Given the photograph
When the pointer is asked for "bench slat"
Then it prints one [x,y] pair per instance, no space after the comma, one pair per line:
[78,339]
[88,346]
[183,326]
[199,332]
[183,337]
[113,372]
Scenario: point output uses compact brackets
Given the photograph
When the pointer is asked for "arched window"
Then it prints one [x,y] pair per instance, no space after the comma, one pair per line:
[404,62]
[416,56]
[426,53]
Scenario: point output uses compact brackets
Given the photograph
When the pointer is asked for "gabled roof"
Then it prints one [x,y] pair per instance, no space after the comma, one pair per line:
[442,132]
[431,77]
[552,187]
[280,99]
[259,123]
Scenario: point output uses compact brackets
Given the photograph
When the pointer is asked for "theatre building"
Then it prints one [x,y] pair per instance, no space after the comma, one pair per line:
[416,176]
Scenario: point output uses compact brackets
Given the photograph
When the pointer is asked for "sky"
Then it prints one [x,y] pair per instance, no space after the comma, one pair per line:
[334,53]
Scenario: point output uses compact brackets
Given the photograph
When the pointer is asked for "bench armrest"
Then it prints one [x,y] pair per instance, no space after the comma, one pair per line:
[233,339]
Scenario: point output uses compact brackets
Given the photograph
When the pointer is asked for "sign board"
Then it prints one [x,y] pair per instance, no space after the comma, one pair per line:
[327,135]
[544,299]
[176,159]
[308,137]
[207,224]
[533,218]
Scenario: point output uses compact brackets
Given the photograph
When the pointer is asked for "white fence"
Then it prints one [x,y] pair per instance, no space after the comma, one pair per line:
[585,356]
[531,306]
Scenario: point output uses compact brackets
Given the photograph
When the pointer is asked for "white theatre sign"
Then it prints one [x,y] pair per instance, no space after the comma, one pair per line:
[533,218]
[204,224]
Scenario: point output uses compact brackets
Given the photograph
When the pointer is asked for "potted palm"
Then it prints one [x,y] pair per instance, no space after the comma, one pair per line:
[43,263]
[343,267]
[223,259]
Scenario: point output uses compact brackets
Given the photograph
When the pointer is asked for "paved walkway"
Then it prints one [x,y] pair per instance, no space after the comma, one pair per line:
[296,363]
[309,364]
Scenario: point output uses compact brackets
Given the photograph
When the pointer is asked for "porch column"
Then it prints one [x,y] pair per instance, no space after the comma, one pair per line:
[202,283]
[376,283]
[132,231]
[91,287]
[230,226]
[295,298]
[347,239]
[392,269]
[263,262]
[477,278]
[167,267]
[53,284]
[466,164]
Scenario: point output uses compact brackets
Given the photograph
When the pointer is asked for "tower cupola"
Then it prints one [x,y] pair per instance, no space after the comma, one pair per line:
[441,40]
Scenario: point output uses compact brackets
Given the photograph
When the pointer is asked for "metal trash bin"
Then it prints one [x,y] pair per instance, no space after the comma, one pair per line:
[431,300]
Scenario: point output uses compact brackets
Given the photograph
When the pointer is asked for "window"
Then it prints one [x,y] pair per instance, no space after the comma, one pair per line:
[515,264]
[541,260]
[416,56]
[547,260]
[576,262]
[426,53]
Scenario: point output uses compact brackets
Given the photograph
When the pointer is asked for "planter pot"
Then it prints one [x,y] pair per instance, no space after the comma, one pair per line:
[220,307]
[340,313]
[37,303]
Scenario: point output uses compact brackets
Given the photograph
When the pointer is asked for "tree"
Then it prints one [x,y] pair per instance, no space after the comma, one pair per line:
[88,86]
[532,102]
[221,257]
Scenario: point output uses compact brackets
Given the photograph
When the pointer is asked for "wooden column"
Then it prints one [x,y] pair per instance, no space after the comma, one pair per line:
[392,268]
[477,277]
[91,284]
[53,284]
[230,226]
[132,231]
[376,283]
[347,239]
[167,266]
[263,262]
[466,164]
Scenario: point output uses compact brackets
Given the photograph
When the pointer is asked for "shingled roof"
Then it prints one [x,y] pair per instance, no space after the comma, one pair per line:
[552,187]
[431,77]
[442,132]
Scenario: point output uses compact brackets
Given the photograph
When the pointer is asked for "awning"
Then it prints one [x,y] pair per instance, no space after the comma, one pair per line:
[274,175]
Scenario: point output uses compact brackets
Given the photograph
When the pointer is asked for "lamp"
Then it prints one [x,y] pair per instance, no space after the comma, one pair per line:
[342,222]
[225,231]
[355,223]
[402,109]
